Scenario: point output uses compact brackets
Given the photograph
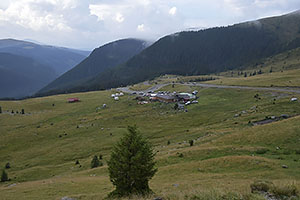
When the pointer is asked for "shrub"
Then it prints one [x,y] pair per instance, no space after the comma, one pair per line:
[176,106]
[100,157]
[4,176]
[131,165]
[261,186]
[77,162]
[0,110]
[168,143]
[286,152]
[285,191]
[180,155]
[95,162]
[7,165]
[191,142]
[298,151]
[22,112]
[262,151]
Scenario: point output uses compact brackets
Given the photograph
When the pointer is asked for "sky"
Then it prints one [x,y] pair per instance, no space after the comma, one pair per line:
[87,24]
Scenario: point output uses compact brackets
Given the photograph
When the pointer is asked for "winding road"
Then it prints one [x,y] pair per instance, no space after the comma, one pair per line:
[159,86]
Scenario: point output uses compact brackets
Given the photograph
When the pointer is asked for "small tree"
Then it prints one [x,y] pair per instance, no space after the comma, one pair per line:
[7,165]
[0,110]
[191,142]
[95,162]
[4,176]
[23,111]
[131,165]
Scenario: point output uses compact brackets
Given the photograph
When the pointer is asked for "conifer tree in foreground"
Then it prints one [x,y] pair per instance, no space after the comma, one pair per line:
[131,165]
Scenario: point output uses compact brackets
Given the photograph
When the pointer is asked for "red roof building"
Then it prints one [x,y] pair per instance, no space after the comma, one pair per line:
[72,100]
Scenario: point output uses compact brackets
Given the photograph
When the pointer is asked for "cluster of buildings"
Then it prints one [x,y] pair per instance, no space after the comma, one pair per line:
[169,97]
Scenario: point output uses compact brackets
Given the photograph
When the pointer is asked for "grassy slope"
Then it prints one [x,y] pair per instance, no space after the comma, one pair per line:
[223,157]
[285,69]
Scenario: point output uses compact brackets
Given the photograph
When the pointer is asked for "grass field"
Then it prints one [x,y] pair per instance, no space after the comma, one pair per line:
[43,144]
[285,73]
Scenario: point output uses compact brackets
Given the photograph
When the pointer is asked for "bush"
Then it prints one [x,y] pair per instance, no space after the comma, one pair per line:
[7,165]
[4,176]
[191,142]
[131,165]
[262,151]
[280,192]
[261,186]
[0,110]
[285,191]
[176,106]
[95,162]
[22,112]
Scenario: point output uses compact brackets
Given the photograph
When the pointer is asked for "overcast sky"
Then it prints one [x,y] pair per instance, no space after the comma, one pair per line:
[87,24]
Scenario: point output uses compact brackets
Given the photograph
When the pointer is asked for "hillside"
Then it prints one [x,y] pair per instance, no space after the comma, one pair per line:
[43,145]
[206,51]
[21,76]
[58,58]
[102,58]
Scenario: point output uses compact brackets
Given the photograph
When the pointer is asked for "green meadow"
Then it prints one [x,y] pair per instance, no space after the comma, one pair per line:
[228,154]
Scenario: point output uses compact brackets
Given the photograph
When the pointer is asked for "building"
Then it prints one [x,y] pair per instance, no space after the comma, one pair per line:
[166,98]
[73,100]
[185,97]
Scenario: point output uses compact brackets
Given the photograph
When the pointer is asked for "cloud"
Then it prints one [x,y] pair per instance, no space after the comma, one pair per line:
[173,11]
[36,15]
[119,18]
[91,23]
[141,27]
[108,12]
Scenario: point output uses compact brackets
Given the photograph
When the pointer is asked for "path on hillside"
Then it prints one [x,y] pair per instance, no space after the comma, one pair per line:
[159,86]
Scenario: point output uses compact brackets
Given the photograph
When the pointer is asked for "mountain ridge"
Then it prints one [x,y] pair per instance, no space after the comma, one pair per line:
[101,58]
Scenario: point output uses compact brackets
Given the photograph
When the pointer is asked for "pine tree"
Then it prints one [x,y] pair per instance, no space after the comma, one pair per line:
[4,176]
[131,165]
[95,162]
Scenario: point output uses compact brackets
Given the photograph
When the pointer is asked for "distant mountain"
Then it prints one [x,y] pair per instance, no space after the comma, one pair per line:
[59,58]
[101,59]
[21,76]
[206,51]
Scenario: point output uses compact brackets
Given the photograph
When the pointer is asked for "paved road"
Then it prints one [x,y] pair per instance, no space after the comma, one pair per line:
[159,86]
[154,88]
